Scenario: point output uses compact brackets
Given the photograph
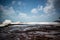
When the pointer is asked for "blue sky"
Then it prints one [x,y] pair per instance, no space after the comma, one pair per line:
[29,10]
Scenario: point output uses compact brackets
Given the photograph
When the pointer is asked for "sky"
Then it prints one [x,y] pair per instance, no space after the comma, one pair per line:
[29,10]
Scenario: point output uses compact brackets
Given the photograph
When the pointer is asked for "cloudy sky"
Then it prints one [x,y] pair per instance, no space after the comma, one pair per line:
[29,10]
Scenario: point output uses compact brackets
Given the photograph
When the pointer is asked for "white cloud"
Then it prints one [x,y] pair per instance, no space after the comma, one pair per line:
[9,11]
[13,2]
[36,10]
[7,22]
[22,15]
[19,3]
[49,8]
[26,17]
[40,8]
[1,7]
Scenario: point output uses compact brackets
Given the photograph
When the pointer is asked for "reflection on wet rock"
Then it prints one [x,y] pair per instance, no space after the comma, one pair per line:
[30,32]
